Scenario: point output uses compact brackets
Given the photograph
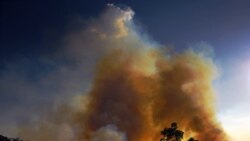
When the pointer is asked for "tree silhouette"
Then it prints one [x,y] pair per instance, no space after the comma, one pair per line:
[172,134]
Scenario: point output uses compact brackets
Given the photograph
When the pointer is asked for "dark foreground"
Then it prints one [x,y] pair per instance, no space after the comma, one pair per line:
[3,138]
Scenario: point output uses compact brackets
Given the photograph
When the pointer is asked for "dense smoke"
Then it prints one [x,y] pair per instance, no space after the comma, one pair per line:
[138,88]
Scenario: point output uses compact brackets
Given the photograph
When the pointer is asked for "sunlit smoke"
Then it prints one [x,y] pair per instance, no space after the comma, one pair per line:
[137,89]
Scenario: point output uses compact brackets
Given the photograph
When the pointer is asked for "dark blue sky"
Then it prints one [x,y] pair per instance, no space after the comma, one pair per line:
[32,27]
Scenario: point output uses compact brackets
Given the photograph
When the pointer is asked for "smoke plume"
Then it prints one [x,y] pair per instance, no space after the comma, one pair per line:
[137,89]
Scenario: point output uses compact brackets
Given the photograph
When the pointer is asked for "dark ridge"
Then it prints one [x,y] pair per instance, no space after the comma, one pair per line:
[3,138]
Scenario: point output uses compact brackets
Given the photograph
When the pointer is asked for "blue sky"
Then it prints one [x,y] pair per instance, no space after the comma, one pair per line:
[32,32]
[33,25]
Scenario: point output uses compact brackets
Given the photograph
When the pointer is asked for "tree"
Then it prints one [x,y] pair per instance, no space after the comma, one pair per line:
[172,134]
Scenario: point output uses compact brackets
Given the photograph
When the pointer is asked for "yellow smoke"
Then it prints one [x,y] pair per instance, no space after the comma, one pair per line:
[140,104]
[137,90]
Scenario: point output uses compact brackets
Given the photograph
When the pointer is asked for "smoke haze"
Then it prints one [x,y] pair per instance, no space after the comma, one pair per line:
[123,87]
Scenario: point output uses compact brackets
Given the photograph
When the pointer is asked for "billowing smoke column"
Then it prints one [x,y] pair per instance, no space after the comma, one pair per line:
[137,89]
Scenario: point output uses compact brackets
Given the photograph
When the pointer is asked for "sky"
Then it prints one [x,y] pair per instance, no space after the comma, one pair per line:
[35,64]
